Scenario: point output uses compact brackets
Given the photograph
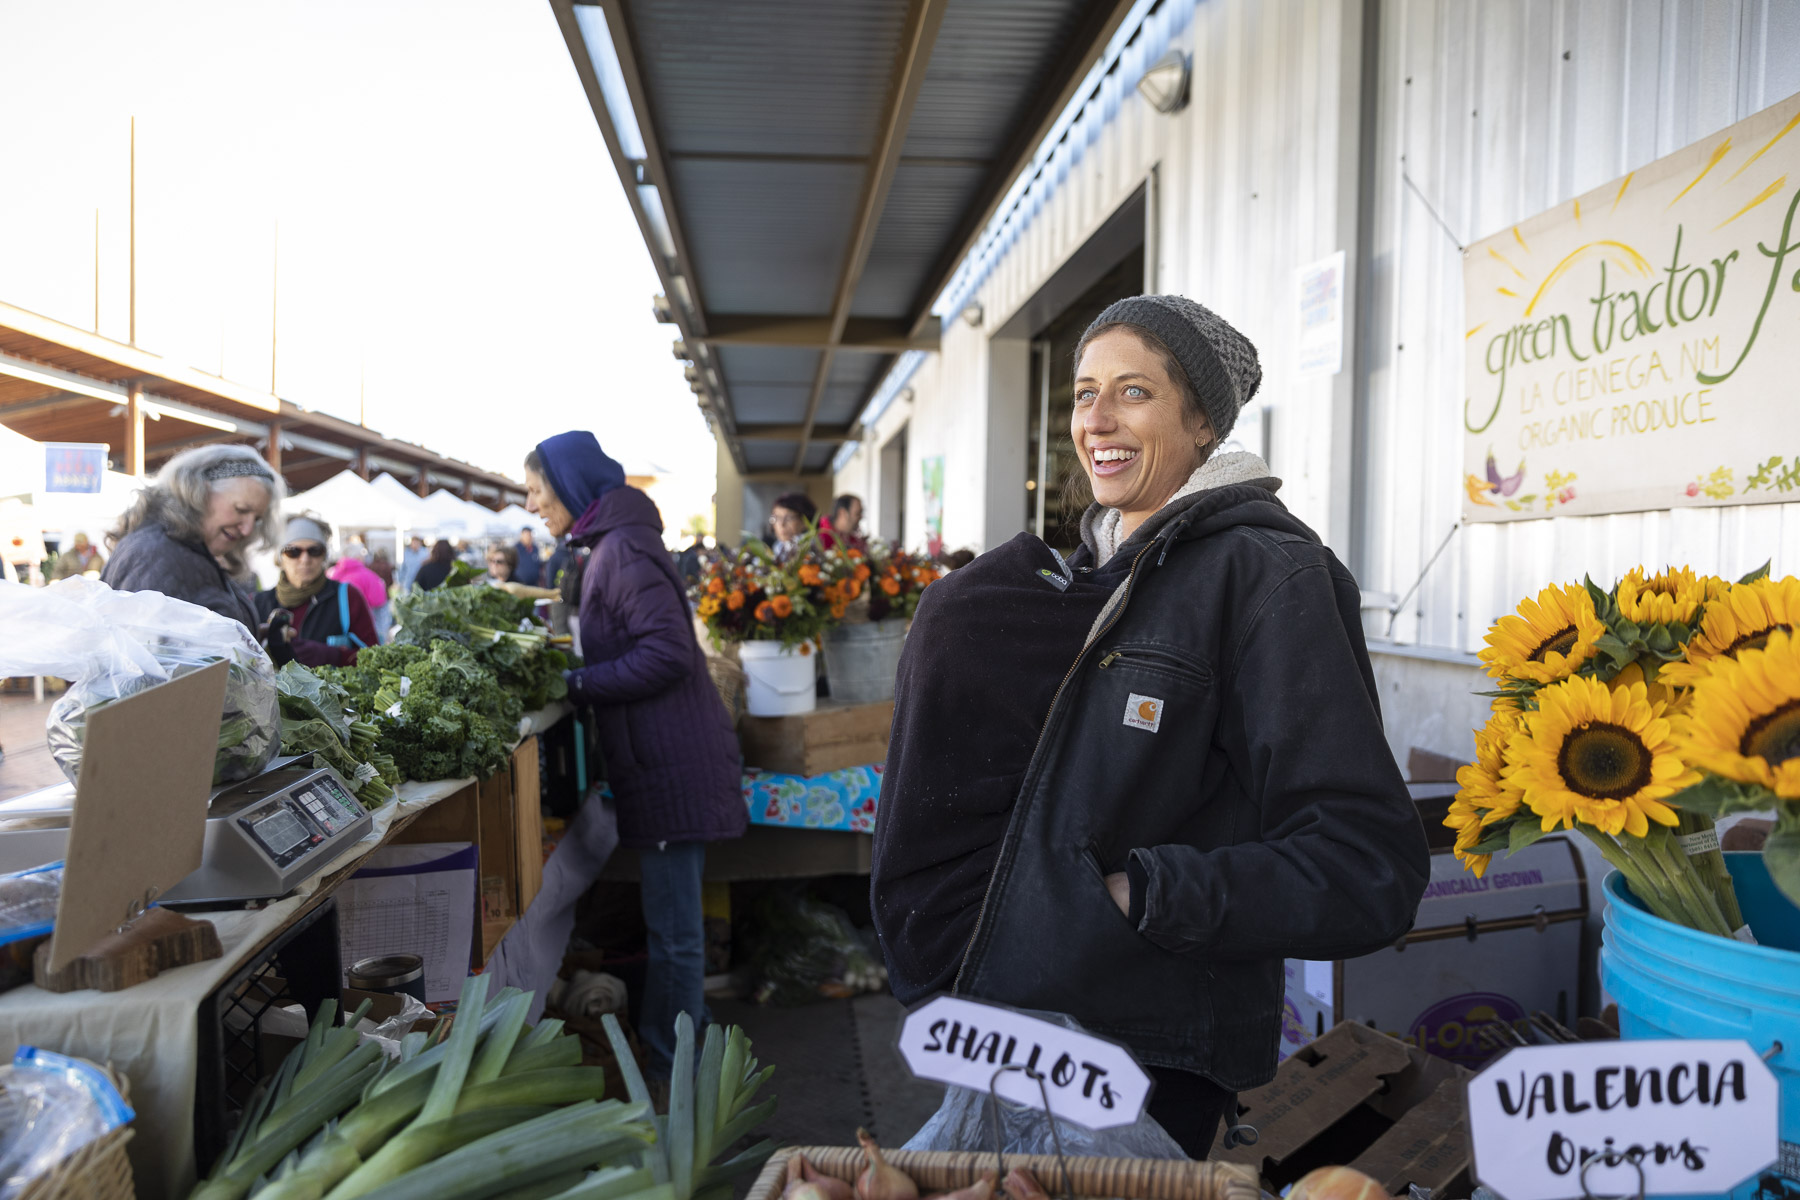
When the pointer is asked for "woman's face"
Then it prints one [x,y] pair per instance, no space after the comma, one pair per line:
[787,524]
[302,562]
[233,507]
[541,498]
[496,565]
[1130,431]
[848,518]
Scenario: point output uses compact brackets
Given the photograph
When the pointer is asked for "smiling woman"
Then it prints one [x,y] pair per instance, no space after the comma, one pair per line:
[1167,748]
[187,534]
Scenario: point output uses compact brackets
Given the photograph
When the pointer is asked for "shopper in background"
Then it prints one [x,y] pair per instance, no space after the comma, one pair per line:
[530,566]
[503,565]
[555,565]
[308,617]
[383,566]
[671,756]
[187,534]
[437,566]
[81,557]
[1245,809]
[790,517]
[846,522]
[415,557]
[351,569]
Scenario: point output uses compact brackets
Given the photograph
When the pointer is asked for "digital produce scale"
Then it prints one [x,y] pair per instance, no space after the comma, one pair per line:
[263,835]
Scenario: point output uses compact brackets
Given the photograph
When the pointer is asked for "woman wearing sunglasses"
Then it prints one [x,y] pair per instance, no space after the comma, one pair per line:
[307,617]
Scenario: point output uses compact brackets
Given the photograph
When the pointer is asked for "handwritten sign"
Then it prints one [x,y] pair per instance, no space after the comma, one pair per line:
[1089,1080]
[1697,1117]
[1626,350]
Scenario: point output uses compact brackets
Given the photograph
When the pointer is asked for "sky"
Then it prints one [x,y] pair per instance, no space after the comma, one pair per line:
[455,250]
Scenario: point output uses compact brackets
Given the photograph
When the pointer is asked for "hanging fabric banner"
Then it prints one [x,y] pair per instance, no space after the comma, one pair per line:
[1636,347]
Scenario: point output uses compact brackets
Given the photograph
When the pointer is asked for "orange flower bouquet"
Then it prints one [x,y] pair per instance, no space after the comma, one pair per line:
[751,597]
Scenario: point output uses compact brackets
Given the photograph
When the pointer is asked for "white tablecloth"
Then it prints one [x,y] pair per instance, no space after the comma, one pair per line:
[150,1033]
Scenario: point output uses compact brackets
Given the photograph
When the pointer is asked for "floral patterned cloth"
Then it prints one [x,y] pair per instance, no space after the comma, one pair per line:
[838,800]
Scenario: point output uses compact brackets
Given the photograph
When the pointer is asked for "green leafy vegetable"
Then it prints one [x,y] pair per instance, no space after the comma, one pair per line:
[439,712]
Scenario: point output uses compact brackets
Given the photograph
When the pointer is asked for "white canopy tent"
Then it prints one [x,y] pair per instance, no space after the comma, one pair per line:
[456,516]
[514,517]
[350,502]
[425,518]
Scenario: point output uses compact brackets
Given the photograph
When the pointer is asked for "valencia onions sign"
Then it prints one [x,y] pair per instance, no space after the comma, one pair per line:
[1636,347]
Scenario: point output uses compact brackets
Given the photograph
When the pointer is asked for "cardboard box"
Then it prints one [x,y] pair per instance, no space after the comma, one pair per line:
[1495,949]
[1359,1098]
[830,738]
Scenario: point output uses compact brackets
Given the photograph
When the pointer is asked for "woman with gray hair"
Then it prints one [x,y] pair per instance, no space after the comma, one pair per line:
[186,534]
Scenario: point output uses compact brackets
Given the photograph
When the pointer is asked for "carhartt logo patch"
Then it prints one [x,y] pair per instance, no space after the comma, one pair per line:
[1143,712]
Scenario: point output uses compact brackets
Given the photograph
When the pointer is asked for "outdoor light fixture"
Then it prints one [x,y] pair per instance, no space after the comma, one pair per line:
[972,313]
[662,310]
[1165,84]
[682,353]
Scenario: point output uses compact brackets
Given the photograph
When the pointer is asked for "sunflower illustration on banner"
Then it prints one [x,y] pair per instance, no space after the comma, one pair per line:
[1636,716]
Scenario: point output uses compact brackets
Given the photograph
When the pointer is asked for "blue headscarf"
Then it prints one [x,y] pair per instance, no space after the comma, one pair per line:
[578,469]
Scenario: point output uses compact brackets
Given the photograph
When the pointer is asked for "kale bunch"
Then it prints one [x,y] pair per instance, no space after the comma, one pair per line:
[441,714]
[315,719]
[498,627]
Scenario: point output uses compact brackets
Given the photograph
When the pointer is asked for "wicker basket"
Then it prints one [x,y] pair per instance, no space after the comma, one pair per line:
[99,1170]
[728,677]
[939,1171]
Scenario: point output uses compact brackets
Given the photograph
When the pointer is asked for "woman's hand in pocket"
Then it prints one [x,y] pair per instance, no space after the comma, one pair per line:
[1119,884]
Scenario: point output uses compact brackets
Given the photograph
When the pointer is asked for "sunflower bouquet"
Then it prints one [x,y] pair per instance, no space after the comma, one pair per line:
[1636,716]
[753,597]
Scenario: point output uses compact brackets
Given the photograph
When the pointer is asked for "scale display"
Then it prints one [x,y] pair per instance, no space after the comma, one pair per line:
[265,835]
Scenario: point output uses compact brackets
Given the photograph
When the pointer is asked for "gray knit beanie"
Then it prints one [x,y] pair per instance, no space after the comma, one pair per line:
[1219,361]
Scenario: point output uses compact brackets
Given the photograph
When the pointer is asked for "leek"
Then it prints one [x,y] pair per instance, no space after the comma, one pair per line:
[614,1183]
[538,1149]
[557,1052]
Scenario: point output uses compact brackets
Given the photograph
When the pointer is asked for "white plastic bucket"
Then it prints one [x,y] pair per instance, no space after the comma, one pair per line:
[861,660]
[778,681]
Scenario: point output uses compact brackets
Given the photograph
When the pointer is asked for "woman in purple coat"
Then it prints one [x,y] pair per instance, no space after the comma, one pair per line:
[671,754]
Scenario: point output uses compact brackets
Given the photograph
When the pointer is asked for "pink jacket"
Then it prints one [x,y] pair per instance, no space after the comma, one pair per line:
[358,575]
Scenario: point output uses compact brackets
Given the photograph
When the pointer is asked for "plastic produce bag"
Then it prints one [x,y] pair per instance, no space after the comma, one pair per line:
[112,644]
[804,950]
[28,902]
[964,1122]
[51,1106]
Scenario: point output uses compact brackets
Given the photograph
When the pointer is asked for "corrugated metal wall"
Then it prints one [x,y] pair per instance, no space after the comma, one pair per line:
[1490,112]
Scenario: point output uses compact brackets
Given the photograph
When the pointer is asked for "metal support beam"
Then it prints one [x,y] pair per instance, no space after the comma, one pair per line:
[1085,48]
[362,462]
[789,433]
[272,447]
[874,335]
[924,18]
[134,431]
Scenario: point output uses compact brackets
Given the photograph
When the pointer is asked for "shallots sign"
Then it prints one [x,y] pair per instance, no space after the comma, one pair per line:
[1087,1079]
[1694,1116]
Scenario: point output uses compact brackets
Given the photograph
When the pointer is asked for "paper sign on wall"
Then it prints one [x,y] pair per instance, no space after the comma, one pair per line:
[1321,318]
[1698,1117]
[1089,1080]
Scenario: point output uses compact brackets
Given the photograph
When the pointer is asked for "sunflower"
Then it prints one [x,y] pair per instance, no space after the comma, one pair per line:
[1739,619]
[1465,818]
[1547,640]
[709,606]
[1657,691]
[1672,597]
[1744,723]
[1603,756]
[1482,785]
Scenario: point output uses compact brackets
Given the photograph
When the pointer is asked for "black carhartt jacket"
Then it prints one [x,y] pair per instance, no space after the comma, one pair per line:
[1219,739]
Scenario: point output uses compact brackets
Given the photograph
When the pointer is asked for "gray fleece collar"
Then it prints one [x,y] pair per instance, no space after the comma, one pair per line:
[1100,525]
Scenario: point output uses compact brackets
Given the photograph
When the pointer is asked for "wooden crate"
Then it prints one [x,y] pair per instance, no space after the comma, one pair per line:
[830,738]
[501,817]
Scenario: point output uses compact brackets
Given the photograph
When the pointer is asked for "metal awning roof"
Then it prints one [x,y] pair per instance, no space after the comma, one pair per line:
[63,384]
[807,175]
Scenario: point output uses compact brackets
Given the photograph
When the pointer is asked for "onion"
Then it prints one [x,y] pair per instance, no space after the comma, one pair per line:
[1023,1185]
[1337,1183]
[807,1182]
[880,1181]
[981,1189]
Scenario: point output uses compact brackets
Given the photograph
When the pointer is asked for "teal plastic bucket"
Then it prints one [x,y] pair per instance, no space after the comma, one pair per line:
[1673,982]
